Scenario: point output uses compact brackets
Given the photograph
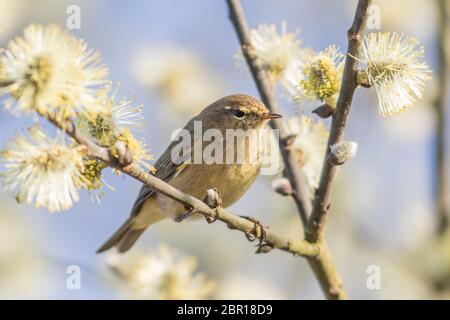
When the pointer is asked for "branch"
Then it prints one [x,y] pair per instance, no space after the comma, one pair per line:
[269,239]
[321,206]
[441,166]
[322,264]
[264,85]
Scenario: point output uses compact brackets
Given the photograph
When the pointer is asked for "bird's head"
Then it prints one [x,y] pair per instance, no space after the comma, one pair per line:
[237,112]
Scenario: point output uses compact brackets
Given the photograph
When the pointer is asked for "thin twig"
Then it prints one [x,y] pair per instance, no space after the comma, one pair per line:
[322,264]
[272,239]
[441,166]
[321,203]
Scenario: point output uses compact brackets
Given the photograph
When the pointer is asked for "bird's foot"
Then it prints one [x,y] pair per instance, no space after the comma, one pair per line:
[258,231]
[214,201]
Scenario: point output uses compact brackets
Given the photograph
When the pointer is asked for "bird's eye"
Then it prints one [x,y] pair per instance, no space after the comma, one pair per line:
[239,114]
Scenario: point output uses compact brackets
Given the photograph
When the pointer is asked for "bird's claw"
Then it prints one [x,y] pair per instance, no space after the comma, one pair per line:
[258,231]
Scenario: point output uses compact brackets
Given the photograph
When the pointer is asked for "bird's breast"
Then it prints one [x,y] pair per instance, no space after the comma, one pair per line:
[231,176]
[231,180]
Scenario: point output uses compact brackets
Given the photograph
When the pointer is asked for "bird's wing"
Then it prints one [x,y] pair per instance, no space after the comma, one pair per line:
[166,167]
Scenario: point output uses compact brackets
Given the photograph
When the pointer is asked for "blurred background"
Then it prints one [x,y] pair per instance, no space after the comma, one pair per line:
[178,56]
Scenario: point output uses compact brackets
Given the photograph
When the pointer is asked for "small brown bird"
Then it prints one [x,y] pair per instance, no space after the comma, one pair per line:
[185,173]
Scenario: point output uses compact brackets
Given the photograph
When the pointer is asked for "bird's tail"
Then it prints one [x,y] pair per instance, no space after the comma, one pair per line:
[123,239]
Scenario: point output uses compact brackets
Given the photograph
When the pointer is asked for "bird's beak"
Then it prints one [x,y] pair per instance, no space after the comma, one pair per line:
[271,116]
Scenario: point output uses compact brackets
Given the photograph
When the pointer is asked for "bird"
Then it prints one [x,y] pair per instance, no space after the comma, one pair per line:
[230,178]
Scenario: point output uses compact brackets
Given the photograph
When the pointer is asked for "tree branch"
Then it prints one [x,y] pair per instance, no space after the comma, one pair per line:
[441,166]
[315,230]
[321,204]
[269,238]
[322,264]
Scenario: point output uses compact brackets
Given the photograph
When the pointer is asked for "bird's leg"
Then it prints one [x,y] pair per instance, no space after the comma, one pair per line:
[190,211]
[258,231]
[214,201]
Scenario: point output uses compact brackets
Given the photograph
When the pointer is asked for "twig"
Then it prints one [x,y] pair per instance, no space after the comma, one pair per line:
[441,166]
[321,203]
[296,247]
[265,89]
[322,264]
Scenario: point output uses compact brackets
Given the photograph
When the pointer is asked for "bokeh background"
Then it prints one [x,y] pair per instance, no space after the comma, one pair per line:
[178,56]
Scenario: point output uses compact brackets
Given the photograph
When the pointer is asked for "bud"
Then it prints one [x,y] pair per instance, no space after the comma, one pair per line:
[362,79]
[341,152]
[282,186]
[120,152]
[212,198]
[324,111]
[264,248]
